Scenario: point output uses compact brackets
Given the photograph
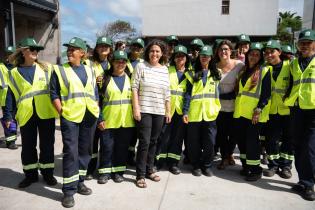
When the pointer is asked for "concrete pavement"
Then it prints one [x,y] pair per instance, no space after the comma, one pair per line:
[225,190]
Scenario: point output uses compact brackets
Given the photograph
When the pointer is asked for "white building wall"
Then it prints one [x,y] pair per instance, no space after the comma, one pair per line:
[308,14]
[204,18]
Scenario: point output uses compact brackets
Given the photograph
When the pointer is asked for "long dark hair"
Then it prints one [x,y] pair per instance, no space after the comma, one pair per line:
[96,56]
[162,45]
[108,75]
[253,72]
[214,72]
[187,63]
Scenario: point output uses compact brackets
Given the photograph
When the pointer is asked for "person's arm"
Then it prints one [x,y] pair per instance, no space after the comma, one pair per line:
[186,104]
[101,120]
[8,109]
[55,92]
[135,84]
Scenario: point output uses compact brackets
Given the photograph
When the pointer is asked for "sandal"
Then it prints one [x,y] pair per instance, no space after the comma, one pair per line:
[154,177]
[141,183]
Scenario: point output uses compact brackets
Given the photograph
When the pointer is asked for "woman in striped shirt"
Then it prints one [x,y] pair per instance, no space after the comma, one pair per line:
[151,103]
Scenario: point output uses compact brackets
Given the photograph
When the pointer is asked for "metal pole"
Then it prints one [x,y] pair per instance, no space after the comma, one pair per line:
[12,24]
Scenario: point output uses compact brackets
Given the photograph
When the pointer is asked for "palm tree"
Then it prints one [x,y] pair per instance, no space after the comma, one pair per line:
[291,21]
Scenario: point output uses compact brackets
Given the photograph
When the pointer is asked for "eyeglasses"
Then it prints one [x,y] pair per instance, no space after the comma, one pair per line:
[32,49]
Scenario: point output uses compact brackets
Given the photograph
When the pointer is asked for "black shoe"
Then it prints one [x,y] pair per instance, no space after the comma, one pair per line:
[50,180]
[27,181]
[285,173]
[196,172]
[118,178]
[67,201]
[309,194]
[12,145]
[244,172]
[84,190]
[175,170]
[270,172]
[3,144]
[252,177]
[207,172]
[299,188]
[103,179]
[88,177]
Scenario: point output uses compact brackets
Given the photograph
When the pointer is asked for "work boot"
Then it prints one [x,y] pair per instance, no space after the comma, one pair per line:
[103,179]
[118,178]
[285,173]
[175,170]
[207,172]
[3,144]
[84,190]
[67,201]
[309,194]
[27,181]
[11,145]
[196,172]
[270,172]
[252,177]
[244,171]
[50,180]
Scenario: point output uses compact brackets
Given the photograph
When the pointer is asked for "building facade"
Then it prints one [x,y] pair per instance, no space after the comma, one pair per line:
[31,18]
[309,14]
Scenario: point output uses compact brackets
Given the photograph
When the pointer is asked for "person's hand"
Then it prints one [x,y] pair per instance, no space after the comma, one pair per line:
[185,119]
[256,116]
[137,115]
[168,118]
[7,123]
[101,125]
[99,79]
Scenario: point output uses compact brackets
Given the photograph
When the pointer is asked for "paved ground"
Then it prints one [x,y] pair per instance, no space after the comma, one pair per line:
[226,190]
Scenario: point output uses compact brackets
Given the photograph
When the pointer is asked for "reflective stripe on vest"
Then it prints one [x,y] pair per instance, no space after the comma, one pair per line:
[117,108]
[4,83]
[247,100]
[278,90]
[37,92]
[178,91]
[205,104]
[303,86]
[75,97]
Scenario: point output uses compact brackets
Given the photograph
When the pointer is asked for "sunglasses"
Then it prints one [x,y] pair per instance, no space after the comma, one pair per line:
[32,49]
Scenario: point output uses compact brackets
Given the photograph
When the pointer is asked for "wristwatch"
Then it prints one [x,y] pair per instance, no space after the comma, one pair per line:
[257,110]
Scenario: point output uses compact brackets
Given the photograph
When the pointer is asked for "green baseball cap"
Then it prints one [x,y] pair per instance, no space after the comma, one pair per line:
[138,41]
[256,46]
[273,44]
[76,42]
[197,42]
[30,42]
[119,55]
[10,49]
[206,50]
[243,38]
[287,49]
[307,34]
[104,40]
[180,49]
[172,38]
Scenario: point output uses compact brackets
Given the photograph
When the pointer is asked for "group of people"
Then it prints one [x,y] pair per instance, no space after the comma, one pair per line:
[162,97]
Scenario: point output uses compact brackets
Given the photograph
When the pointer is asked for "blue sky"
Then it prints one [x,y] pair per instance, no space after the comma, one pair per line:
[84,18]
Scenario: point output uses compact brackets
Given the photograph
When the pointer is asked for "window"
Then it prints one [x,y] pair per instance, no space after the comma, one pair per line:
[225,7]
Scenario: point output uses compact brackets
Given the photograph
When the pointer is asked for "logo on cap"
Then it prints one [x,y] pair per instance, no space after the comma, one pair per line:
[104,39]
[9,48]
[121,53]
[307,33]
[243,37]
[205,48]
[269,43]
[289,48]
[195,41]
[257,45]
[180,48]
[138,40]
[173,37]
[72,41]
[34,41]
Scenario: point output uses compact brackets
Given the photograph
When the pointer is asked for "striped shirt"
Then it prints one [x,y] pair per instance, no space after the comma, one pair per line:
[153,86]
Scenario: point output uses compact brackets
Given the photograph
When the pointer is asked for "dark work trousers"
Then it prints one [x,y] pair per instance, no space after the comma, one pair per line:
[200,143]
[132,146]
[46,131]
[170,142]
[148,129]
[114,150]
[303,127]
[93,162]
[279,141]
[11,132]
[247,138]
[225,139]
[77,139]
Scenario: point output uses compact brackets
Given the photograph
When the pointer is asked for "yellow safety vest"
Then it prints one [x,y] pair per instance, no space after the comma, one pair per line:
[3,84]
[278,90]
[98,69]
[247,100]
[25,93]
[75,98]
[205,104]
[303,90]
[178,91]
[117,108]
